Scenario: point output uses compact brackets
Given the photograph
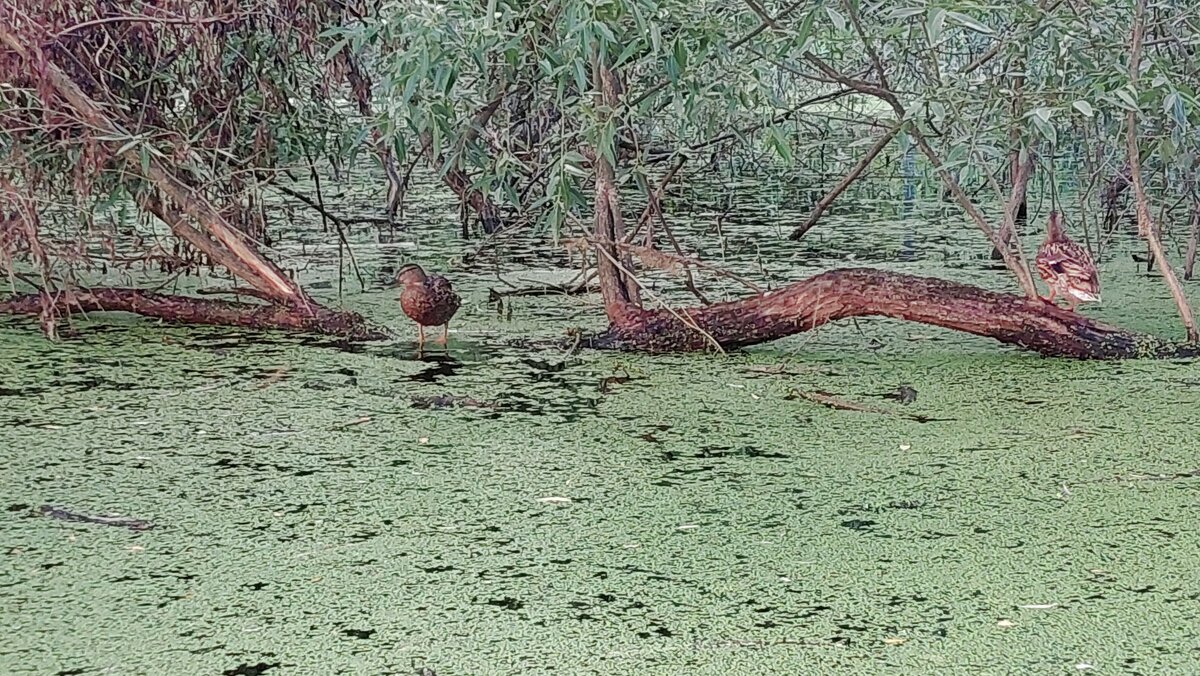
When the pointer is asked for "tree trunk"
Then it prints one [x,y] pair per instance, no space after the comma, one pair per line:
[862,292]
[460,184]
[186,310]
[1189,260]
[1110,196]
[360,86]
[1146,225]
[613,266]
[223,243]
[178,205]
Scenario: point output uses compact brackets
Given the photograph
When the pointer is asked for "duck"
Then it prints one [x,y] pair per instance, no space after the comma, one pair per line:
[1066,267]
[428,300]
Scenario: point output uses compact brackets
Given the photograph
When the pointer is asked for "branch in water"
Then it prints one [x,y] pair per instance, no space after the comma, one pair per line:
[208,311]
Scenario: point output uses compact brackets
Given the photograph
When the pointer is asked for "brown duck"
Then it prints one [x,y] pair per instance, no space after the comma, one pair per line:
[428,300]
[1066,267]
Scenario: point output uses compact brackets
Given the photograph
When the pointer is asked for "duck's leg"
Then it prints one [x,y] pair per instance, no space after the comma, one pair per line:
[1072,301]
[445,334]
[420,336]
[1050,299]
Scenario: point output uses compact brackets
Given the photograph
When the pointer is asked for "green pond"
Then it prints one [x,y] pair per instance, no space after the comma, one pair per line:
[602,513]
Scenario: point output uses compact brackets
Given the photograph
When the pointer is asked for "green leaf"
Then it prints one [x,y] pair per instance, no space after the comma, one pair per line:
[934,23]
[1084,107]
[1170,103]
[144,159]
[964,20]
[605,32]
[581,78]
[1044,127]
[632,48]
[1126,94]
[128,145]
[938,110]
[779,144]
[606,141]
[905,12]
[681,56]
[836,17]
[804,33]
[337,47]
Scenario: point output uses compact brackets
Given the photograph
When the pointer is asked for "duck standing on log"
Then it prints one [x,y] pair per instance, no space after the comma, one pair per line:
[1066,267]
[428,300]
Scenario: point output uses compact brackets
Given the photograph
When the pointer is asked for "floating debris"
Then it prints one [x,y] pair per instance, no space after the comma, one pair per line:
[450,401]
[836,402]
[118,521]
[606,385]
[555,500]
[905,394]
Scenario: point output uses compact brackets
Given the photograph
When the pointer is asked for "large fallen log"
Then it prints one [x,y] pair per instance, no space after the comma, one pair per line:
[862,292]
[184,310]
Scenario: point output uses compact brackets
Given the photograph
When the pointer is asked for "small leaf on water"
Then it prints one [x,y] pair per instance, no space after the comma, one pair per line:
[554,500]
[895,640]
[1006,623]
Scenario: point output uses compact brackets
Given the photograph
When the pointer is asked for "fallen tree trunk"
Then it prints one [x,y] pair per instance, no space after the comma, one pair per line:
[862,292]
[186,310]
[191,218]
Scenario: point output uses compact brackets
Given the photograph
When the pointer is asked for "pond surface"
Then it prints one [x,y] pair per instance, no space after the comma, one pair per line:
[319,509]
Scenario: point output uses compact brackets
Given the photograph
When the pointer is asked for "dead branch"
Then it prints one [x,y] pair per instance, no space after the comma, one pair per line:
[850,177]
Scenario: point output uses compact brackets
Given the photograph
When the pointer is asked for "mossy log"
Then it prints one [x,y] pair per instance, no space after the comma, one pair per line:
[863,292]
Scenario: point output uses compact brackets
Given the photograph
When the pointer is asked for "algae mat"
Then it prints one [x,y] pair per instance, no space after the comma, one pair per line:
[686,516]
[603,514]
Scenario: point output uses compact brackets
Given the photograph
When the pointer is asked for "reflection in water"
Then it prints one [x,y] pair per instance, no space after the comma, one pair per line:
[442,366]
[610,513]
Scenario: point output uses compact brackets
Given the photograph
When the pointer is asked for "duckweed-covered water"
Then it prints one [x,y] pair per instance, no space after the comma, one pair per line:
[597,513]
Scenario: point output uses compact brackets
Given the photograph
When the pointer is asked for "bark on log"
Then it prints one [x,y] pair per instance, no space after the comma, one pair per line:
[862,292]
[185,310]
